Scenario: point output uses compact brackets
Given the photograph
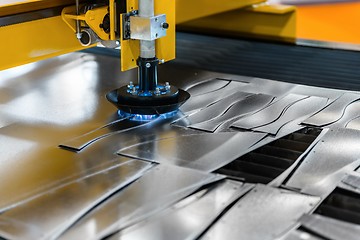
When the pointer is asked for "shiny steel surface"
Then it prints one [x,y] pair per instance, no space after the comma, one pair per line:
[300,109]
[333,112]
[61,101]
[191,152]
[269,114]
[268,212]
[315,175]
[197,212]
[203,100]
[329,228]
[39,219]
[351,182]
[158,189]
[231,112]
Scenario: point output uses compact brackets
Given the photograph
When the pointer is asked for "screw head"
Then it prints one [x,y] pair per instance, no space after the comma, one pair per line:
[147,65]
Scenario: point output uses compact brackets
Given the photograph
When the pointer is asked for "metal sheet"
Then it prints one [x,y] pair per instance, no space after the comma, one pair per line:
[269,114]
[354,124]
[351,112]
[333,112]
[249,105]
[158,189]
[47,215]
[283,176]
[351,182]
[301,235]
[190,151]
[327,163]
[215,110]
[204,100]
[268,212]
[208,86]
[330,228]
[300,109]
[190,217]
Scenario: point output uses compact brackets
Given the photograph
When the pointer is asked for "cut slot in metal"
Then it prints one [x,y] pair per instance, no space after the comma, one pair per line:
[266,163]
[342,205]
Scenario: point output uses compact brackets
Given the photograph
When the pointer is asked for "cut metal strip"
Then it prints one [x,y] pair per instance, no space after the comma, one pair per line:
[354,124]
[207,87]
[242,107]
[351,112]
[351,182]
[330,228]
[268,212]
[327,163]
[333,112]
[190,217]
[215,110]
[204,100]
[190,151]
[68,203]
[160,188]
[270,114]
[301,235]
[300,109]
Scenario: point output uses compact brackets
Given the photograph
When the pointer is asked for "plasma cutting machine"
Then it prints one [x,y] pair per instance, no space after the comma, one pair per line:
[144,29]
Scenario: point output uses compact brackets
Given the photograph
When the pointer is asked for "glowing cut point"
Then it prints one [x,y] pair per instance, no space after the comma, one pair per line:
[145,118]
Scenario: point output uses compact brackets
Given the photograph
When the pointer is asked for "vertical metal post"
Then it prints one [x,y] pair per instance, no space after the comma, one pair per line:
[78,29]
[147,48]
[147,61]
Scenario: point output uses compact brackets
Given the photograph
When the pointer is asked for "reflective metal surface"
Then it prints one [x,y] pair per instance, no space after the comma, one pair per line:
[315,175]
[190,217]
[203,100]
[333,112]
[300,109]
[158,189]
[231,112]
[268,212]
[329,228]
[351,182]
[61,101]
[269,114]
[191,152]
[51,213]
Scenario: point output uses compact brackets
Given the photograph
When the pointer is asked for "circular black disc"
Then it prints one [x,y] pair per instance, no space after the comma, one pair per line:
[146,105]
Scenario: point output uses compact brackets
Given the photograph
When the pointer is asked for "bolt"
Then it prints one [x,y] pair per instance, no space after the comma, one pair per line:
[157,91]
[167,86]
[131,85]
[148,65]
[162,61]
[165,25]
[133,92]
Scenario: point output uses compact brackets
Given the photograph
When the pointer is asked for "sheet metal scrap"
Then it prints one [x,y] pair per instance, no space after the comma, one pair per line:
[190,217]
[328,162]
[268,212]
[68,203]
[330,228]
[333,112]
[240,108]
[157,190]
[191,152]
[270,114]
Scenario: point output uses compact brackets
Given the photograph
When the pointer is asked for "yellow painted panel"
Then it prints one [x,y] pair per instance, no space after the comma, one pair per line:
[165,46]
[273,24]
[36,40]
[10,7]
[187,10]
[336,22]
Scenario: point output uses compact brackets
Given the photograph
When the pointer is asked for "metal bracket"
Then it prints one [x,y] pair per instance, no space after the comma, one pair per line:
[126,24]
[148,28]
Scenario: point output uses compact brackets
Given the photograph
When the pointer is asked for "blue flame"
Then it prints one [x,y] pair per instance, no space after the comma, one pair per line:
[146,118]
